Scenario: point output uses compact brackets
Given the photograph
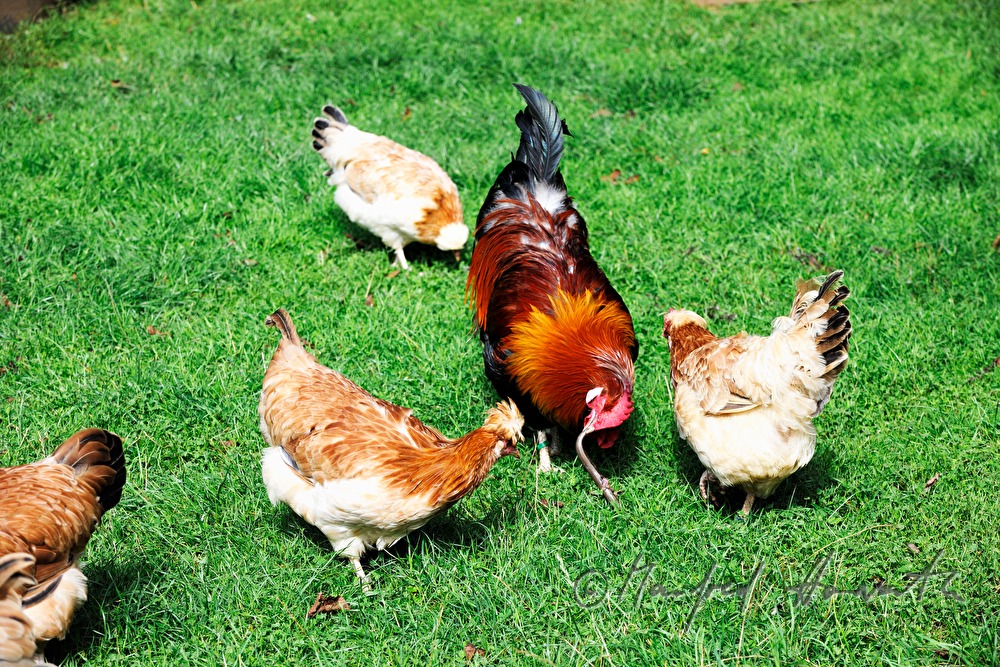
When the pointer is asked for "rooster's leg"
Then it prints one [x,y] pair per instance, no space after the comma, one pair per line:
[544,450]
[555,441]
[748,504]
[366,585]
[401,258]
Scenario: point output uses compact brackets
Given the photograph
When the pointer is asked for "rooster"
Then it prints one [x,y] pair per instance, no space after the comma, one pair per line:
[746,403]
[557,338]
[17,641]
[49,509]
[394,192]
[363,471]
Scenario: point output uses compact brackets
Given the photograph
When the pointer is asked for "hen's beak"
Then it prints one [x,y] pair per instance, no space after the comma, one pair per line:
[510,449]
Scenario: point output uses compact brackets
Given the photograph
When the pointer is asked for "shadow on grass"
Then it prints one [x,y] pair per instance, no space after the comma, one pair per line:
[109,584]
[447,531]
[418,254]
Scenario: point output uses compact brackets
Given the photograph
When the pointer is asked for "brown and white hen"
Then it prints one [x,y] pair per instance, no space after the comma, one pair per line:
[396,193]
[17,641]
[49,509]
[746,403]
[362,470]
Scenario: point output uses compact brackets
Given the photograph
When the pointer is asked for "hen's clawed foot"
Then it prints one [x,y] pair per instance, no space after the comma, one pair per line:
[707,478]
[366,584]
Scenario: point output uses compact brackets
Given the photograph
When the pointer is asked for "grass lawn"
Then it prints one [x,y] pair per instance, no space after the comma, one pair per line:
[161,197]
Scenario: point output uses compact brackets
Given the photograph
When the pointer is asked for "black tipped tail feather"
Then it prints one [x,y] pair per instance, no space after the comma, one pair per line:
[98,459]
[833,343]
[334,119]
[282,321]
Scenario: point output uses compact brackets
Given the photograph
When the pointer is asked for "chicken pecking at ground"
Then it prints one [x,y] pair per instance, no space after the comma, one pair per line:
[49,509]
[746,403]
[362,470]
[17,641]
[396,193]
[557,338]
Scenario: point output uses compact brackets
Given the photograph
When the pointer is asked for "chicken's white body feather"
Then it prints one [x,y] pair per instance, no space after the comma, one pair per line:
[746,403]
[396,193]
[354,514]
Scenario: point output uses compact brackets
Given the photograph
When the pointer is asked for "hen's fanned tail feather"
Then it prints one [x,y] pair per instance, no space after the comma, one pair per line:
[98,458]
[820,306]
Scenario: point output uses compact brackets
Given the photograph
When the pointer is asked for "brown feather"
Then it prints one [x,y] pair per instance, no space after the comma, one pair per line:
[17,641]
[333,430]
[49,509]
[446,210]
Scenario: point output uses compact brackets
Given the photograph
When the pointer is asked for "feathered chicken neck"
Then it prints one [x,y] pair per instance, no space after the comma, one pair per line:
[685,339]
[453,468]
[592,331]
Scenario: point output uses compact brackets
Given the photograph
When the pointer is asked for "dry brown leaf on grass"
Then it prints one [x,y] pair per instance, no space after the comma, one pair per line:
[601,113]
[932,481]
[471,651]
[393,273]
[810,260]
[327,604]
[369,301]
[5,302]
[616,174]
[153,331]
[550,503]
[996,243]
[407,113]
[913,547]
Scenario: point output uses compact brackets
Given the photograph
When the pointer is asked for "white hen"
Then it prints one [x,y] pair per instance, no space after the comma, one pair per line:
[394,192]
[746,403]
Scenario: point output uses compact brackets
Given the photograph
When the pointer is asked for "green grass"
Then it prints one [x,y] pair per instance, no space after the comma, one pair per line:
[770,141]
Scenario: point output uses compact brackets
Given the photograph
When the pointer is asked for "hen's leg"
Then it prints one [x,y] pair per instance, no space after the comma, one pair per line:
[707,478]
[401,258]
[366,585]
[748,503]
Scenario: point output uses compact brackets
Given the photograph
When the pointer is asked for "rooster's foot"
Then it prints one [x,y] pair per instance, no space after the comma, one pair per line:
[545,462]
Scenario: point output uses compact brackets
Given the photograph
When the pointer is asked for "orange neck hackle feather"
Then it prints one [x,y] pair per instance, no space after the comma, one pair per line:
[594,333]
[445,210]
